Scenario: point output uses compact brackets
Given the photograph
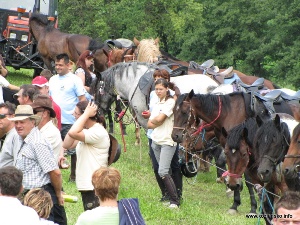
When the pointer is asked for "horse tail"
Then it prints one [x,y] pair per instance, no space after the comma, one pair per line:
[276,86]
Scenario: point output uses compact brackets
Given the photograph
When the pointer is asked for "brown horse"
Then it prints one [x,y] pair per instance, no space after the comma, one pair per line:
[148,51]
[52,41]
[242,156]
[291,163]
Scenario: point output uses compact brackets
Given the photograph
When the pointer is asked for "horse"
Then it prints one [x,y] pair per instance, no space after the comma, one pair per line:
[291,163]
[148,51]
[219,110]
[244,155]
[52,41]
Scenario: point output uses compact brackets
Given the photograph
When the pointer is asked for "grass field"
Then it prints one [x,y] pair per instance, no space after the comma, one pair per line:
[204,200]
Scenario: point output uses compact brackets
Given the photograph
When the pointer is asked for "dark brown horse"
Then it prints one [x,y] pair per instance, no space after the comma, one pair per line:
[291,163]
[52,41]
[244,156]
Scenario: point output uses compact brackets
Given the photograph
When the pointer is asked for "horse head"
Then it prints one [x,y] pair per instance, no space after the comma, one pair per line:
[147,50]
[291,163]
[238,150]
[181,112]
[271,144]
[36,22]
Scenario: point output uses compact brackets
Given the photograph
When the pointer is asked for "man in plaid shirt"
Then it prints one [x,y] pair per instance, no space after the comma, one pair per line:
[37,162]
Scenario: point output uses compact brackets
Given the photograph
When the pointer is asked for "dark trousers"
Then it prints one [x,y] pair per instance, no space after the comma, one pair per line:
[58,213]
[175,170]
[89,200]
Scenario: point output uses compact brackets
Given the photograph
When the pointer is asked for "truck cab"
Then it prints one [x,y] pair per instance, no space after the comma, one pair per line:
[17,46]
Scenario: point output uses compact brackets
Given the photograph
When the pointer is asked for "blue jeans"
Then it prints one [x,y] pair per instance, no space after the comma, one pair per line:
[163,155]
[64,130]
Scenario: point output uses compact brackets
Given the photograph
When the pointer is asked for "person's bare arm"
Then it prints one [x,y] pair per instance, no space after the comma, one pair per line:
[3,70]
[56,181]
[69,142]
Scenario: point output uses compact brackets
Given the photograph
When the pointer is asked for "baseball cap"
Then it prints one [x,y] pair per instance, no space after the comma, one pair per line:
[40,81]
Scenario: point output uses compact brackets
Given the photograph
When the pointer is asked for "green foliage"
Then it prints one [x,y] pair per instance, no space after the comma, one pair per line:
[256,37]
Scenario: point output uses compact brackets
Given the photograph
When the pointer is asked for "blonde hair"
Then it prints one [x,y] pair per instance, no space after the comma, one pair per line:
[106,182]
[40,200]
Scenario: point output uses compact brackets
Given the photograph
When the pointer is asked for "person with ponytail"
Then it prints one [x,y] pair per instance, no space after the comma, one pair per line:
[164,148]
[88,134]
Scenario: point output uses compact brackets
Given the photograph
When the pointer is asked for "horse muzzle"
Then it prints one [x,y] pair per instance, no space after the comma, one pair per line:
[177,136]
[291,172]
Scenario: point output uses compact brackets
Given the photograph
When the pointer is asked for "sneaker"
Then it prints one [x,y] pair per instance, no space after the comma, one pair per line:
[173,206]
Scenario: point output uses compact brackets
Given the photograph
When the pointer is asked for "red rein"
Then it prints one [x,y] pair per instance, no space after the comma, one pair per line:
[208,124]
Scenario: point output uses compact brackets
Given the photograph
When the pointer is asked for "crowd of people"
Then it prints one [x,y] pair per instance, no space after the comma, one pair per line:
[55,116]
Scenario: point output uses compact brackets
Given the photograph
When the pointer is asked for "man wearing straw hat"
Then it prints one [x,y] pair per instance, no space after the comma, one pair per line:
[36,160]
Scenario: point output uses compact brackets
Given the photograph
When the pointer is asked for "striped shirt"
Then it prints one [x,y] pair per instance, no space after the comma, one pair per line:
[36,159]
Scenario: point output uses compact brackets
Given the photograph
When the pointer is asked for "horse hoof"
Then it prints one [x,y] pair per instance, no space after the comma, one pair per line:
[232,211]
[229,193]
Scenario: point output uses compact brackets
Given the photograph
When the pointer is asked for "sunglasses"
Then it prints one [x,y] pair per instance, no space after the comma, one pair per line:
[2,116]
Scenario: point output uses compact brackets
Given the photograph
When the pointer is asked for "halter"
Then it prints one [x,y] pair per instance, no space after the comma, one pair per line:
[184,128]
[208,124]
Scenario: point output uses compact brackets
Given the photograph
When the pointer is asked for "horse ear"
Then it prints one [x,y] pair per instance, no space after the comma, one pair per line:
[191,94]
[224,132]
[244,133]
[156,41]
[259,120]
[136,41]
[277,122]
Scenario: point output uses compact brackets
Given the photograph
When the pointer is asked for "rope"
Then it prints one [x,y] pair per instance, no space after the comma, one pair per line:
[214,165]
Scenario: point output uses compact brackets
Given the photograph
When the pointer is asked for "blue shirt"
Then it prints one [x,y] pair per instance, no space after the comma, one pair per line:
[65,91]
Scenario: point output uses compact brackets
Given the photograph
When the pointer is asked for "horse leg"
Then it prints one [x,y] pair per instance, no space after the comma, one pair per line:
[110,121]
[236,202]
[251,193]
[220,160]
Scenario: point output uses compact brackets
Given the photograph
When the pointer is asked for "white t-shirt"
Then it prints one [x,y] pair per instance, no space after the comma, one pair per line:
[91,154]
[161,135]
[13,212]
[52,135]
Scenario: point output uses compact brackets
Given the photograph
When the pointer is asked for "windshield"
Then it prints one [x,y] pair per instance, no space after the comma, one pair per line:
[28,4]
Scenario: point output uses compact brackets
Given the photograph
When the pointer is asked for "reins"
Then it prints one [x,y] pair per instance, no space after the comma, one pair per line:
[208,124]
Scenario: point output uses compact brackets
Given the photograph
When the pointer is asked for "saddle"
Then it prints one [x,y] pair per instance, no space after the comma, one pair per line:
[287,97]
[255,86]
[268,100]
[166,65]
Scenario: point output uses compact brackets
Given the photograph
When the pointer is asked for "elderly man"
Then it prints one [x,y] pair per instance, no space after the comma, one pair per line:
[66,89]
[43,86]
[36,160]
[11,144]
[42,106]
[12,211]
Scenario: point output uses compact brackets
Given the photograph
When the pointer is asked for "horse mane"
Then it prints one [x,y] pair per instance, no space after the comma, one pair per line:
[234,135]
[40,18]
[148,50]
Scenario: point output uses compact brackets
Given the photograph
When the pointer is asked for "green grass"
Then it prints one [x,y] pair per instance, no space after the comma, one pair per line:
[205,201]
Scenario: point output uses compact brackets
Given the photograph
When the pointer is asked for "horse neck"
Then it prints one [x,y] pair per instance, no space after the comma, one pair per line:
[37,30]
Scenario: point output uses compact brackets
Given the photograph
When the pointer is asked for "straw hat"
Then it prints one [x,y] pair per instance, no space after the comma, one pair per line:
[24,112]
[43,101]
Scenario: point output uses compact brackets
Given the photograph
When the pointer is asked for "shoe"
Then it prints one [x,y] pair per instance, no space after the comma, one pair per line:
[173,206]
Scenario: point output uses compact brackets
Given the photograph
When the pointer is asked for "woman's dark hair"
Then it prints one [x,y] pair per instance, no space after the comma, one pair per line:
[165,84]
[98,118]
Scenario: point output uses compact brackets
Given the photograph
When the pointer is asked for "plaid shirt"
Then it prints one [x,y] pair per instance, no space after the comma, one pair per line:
[35,159]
